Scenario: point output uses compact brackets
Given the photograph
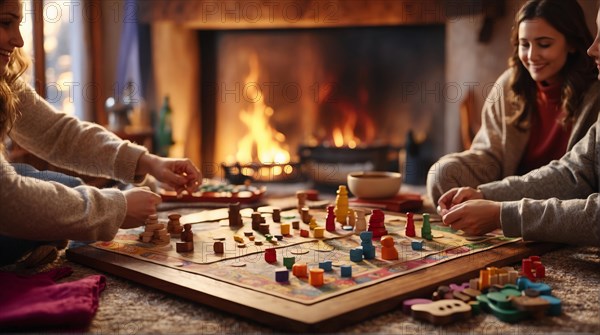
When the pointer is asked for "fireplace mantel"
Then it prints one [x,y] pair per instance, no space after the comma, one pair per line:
[282,14]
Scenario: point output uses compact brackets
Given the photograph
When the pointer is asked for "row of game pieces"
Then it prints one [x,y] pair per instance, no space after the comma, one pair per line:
[505,293]
[159,234]
[365,251]
[315,276]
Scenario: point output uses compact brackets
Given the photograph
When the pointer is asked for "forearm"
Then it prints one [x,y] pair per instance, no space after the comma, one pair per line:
[572,221]
[40,210]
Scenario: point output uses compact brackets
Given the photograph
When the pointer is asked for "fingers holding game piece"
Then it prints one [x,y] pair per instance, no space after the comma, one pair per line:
[456,196]
[178,173]
[141,202]
[474,217]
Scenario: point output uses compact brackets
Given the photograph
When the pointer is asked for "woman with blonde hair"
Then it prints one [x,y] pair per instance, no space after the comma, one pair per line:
[32,210]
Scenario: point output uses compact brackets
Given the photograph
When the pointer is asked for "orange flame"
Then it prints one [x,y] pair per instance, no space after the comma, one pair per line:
[262,142]
[352,119]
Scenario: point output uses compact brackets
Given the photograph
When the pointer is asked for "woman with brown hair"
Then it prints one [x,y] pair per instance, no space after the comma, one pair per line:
[539,108]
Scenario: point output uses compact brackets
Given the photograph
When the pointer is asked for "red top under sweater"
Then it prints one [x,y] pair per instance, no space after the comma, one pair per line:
[548,139]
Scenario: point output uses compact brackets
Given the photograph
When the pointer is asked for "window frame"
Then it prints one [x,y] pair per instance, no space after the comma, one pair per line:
[39,54]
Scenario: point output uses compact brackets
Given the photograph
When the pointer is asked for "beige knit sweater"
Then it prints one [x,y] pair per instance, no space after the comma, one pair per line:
[498,147]
[39,210]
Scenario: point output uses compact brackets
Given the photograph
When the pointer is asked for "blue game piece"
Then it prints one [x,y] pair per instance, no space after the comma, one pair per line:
[346,270]
[366,236]
[282,275]
[325,265]
[367,244]
[524,283]
[555,305]
[356,254]
[279,237]
[369,252]
[416,245]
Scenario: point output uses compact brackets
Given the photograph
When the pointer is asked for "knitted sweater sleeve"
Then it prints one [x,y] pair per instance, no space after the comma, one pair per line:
[558,202]
[494,153]
[66,142]
[40,210]
[34,209]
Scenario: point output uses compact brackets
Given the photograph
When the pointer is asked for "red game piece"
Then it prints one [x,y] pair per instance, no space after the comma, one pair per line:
[410,225]
[376,223]
[330,219]
[270,255]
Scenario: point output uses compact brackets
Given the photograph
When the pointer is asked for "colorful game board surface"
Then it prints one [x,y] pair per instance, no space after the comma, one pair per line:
[246,266]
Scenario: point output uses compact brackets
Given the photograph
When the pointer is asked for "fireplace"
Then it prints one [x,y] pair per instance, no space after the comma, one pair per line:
[274,95]
[268,89]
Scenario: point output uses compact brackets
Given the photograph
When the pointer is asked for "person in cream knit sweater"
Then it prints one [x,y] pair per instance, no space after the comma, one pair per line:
[37,210]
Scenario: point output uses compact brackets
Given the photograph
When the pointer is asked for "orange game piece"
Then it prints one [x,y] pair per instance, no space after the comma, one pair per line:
[388,250]
[484,279]
[316,277]
[300,270]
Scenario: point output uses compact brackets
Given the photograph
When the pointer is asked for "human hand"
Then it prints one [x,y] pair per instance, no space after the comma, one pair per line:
[141,202]
[474,217]
[178,173]
[456,196]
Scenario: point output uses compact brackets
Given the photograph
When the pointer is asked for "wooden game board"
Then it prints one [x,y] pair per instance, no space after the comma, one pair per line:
[249,294]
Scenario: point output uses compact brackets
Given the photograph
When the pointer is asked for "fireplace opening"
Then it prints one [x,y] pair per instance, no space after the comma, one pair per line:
[314,103]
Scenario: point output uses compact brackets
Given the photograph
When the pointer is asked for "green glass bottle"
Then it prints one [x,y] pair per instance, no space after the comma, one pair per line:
[164,134]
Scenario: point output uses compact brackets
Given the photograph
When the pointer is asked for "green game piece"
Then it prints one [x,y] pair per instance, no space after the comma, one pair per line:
[502,298]
[269,237]
[506,315]
[426,229]
[288,262]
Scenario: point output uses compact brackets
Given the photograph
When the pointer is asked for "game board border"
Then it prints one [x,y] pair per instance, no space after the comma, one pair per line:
[282,314]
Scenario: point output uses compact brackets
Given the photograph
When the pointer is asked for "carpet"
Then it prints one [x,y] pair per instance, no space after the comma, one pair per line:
[129,308]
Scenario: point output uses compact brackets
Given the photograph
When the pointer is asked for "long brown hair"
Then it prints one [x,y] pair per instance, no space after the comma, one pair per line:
[579,71]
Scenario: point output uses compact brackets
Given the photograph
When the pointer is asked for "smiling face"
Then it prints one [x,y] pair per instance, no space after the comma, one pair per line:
[543,50]
[10,35]
[594,50]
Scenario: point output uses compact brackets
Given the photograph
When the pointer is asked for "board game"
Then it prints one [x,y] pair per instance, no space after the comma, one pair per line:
[239,280]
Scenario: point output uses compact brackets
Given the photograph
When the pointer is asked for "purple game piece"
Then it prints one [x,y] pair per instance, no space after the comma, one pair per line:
[454,287]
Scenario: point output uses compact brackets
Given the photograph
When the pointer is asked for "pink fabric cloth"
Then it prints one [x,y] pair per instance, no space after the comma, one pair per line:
[37,301]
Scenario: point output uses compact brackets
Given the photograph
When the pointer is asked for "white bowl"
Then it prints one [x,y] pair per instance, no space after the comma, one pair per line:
[374,184]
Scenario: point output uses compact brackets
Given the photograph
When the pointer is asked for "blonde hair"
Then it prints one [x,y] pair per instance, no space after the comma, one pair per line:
[10,85]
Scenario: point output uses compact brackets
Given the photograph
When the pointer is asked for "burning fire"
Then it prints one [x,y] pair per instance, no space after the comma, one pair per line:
[352,121]
[262,142]
[350,125]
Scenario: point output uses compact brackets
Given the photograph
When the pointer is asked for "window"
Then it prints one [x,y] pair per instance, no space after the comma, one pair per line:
[57,39]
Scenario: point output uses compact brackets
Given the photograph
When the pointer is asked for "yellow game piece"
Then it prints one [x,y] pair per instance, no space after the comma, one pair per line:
[285,228]
[319,232]
[312,224]
[238,238]
[341,204]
